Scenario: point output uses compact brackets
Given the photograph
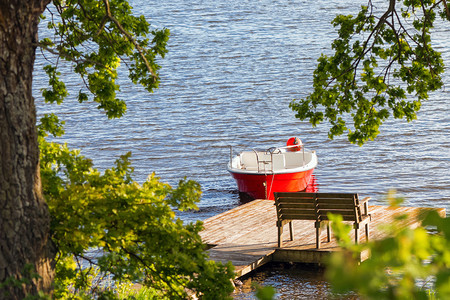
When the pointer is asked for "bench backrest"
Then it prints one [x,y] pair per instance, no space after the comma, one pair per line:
[316,206]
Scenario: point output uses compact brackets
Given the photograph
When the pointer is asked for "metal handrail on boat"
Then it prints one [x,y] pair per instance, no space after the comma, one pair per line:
[263,162]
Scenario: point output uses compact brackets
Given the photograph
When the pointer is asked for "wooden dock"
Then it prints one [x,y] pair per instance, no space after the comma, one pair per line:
[247,235]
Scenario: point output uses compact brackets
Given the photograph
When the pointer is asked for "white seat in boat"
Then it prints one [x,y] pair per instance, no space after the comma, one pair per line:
[293,159]
[248,160]
[297,159]
[278,161]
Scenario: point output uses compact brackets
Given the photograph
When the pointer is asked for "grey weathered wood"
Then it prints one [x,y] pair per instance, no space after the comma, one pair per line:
[317,206]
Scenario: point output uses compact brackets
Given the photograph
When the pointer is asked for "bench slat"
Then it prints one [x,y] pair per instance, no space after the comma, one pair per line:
[298,211]
[297,205]
[344,212]
[296,200]
[294,216]
[322,195]
[336,200]
[336,195]
[345,206]
[296,195]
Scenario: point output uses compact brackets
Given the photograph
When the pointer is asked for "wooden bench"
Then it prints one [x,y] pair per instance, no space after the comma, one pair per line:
[316,206]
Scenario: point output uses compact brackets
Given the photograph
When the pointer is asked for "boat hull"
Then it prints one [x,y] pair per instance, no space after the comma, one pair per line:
[256,185]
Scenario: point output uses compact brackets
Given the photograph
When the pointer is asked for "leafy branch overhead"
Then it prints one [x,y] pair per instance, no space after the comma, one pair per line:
[96,37]
[383,65]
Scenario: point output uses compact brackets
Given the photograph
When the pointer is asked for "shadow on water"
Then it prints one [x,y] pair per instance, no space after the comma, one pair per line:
[208,209]
[291,280]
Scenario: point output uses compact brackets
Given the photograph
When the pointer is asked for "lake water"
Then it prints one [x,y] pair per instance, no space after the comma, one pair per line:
[231,71]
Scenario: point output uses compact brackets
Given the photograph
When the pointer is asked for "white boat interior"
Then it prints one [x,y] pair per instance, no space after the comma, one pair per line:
[273,161]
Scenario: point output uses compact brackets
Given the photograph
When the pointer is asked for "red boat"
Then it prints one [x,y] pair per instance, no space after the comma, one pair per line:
[260,173]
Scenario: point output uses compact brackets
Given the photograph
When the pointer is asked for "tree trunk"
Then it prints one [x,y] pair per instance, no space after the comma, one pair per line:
[24,216]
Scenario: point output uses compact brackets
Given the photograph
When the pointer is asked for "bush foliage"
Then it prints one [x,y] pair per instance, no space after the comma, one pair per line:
[407,264]
[108,229]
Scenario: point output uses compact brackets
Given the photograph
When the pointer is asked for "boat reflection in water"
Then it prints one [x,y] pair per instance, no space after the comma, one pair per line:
[313,186]
[260,173]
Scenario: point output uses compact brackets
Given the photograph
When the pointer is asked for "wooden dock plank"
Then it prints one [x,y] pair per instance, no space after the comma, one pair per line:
[245,258]
[247,235]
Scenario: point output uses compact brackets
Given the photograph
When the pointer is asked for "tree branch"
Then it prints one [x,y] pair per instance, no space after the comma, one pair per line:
[366,49]
[129,37]
[144,263]
[447,10]
[69,57]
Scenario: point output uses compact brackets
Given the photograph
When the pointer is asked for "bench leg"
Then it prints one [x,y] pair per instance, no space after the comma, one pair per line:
[280,238]
[367,232]
[317,224]
[291,230]
[328,232]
